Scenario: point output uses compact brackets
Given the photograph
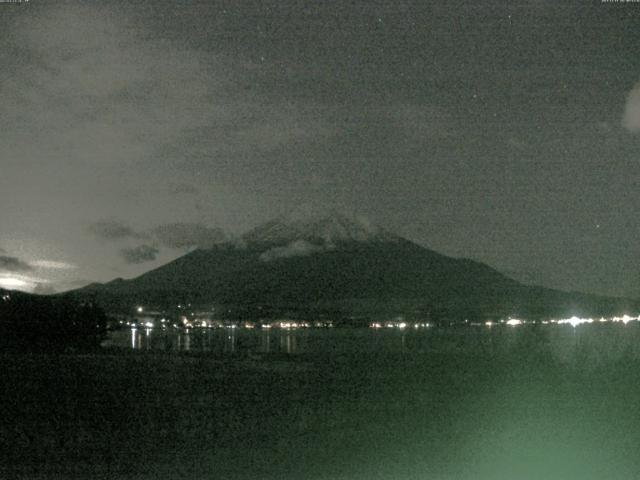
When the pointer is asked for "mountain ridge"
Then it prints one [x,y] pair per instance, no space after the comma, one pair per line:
[328,226]
[318,263]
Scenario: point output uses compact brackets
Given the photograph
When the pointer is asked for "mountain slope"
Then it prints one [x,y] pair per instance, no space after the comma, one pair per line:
[334,263]
[317,226]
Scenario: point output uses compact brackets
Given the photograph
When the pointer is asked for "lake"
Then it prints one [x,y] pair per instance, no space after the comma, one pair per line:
[562,342]
[476,403]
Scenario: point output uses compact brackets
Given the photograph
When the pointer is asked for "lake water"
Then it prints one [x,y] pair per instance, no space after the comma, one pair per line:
[470,402]
[562,342]
[466,403]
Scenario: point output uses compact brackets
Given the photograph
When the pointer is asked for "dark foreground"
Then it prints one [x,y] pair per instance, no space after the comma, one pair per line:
[505,406]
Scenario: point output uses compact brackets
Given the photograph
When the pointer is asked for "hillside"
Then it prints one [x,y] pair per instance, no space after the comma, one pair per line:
[331,263]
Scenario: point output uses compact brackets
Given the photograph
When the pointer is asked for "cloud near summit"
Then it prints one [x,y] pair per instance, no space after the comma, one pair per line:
[299,248]
[186,235]
[139,254]
[112,229]
[178,235]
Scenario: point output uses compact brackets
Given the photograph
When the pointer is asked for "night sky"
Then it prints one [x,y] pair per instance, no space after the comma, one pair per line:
[134,131]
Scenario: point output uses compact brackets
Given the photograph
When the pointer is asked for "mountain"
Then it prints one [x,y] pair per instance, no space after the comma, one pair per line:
[325,262]
[317,226]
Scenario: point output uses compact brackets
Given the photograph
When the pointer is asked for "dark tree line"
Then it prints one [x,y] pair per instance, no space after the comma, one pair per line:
[50,324]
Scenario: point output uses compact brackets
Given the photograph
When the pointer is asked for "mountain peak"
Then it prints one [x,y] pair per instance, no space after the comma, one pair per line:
[317,225]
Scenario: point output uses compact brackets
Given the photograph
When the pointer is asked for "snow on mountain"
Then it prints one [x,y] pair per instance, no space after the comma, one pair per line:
[326,262]
[317,226]
[297,248]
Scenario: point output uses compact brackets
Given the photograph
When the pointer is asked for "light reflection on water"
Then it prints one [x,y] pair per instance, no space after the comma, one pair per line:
[563,343]
[498,411]
[225,341]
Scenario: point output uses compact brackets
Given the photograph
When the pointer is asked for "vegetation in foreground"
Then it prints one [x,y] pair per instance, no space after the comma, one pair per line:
[31,323]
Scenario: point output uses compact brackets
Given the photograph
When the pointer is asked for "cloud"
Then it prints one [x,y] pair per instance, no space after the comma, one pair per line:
[113,230]
[20,281]
[53,265]
[631,117]
[14,283]
[170,235]
[185,235]
[108,92]
[13,264]
[299,248]
[139,254]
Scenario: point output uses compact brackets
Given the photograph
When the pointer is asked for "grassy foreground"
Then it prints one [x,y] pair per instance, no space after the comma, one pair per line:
[481,414]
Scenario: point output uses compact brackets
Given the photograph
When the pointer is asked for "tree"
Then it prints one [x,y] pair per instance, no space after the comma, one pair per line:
[33,323]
